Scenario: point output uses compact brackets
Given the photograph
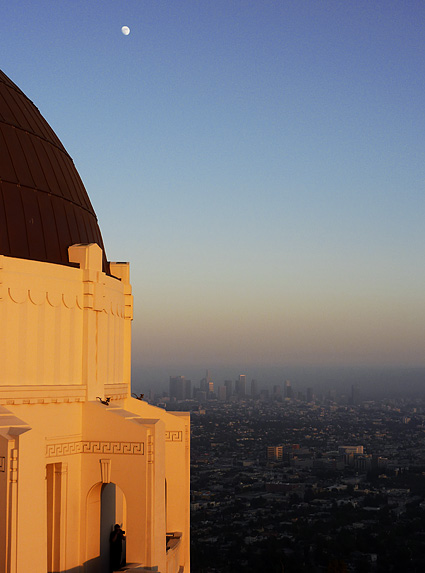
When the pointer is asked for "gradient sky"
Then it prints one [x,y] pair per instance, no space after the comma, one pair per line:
[260,164]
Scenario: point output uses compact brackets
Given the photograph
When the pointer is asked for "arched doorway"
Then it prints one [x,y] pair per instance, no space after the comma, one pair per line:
[106,506]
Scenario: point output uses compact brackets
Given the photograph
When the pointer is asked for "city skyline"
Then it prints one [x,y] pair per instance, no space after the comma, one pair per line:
[261,164]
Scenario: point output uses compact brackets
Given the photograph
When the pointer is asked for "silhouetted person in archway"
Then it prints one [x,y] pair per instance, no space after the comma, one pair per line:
[115,542]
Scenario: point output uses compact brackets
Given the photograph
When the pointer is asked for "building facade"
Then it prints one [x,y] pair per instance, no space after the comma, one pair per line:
[77,453]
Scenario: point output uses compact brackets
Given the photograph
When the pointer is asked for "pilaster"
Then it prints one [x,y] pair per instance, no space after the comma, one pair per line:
[89,257]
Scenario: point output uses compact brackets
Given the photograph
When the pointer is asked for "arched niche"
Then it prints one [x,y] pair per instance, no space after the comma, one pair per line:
[105,506]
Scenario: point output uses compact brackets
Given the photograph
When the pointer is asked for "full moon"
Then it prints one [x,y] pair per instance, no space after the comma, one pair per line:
[125,30]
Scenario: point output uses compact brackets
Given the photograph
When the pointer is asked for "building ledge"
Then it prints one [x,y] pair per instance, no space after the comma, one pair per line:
[173,539]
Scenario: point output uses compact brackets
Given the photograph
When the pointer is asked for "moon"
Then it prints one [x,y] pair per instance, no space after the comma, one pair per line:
[125,30]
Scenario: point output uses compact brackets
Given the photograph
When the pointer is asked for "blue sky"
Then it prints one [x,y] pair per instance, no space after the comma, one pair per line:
[260,164]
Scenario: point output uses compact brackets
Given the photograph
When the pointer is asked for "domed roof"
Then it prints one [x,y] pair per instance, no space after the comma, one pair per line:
[44,207]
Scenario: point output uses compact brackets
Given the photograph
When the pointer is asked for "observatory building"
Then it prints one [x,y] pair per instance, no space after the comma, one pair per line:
[77,453]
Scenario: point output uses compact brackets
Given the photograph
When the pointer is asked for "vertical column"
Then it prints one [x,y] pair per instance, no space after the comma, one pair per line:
[89,258]
[9,475]
[186,539]
[122,271]
[57,481]
[156,475]
[12,541]
[61,473]
[150,510]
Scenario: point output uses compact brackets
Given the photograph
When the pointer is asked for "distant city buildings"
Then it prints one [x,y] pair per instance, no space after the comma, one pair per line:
[240,386]
[277,392]
[288,392]
[222,393]
[229,388]
[275,453]
[180,388]
[238,390]
[344,472]
[350,449]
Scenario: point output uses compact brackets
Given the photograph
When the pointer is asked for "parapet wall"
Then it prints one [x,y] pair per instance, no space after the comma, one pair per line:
[64,327]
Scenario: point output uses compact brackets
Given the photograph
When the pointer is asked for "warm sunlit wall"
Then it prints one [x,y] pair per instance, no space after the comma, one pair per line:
[64,326]
[66,342]
[47,421]
[177,455]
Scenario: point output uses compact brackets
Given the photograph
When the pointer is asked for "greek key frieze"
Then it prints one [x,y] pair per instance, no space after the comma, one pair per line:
[86,447]
[173,436]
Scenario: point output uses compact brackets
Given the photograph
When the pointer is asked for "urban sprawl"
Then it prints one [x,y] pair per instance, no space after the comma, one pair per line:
[289,481]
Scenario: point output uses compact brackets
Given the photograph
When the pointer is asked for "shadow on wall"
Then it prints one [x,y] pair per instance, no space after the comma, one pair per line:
[89,566]
[93,566]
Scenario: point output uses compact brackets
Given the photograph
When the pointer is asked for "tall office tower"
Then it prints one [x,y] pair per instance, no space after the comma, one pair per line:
[177,387]
[206,385]
[355,394]
[210,389]
[288,392]
[277,392]
[310,395]
[188,390]
[241,386]
[78,453]
[222,393]
[229,388]
[254,388]
[200,395]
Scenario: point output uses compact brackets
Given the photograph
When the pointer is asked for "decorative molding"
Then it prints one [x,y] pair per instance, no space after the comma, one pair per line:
[86,447]
[54,298]
[150,448]
[105,471]
[187,436]
[117,391]
[18,401]
[95,295]
[115,397]
[2,464]
[42,394]
[13,465]
[18,294]
[173,436]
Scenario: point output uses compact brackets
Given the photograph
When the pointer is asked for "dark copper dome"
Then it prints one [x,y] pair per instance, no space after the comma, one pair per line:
[44,207]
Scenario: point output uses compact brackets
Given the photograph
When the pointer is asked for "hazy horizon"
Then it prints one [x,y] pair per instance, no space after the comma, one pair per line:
[373,381]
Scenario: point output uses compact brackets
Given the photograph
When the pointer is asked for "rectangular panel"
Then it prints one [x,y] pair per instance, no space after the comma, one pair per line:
[63,190]
[72,224]
[47,168]
[82,227]
[19,161]
[37,249]
[6,166]
[59,207]
[49,231]
[18,117]
[15,221]
[32,161]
